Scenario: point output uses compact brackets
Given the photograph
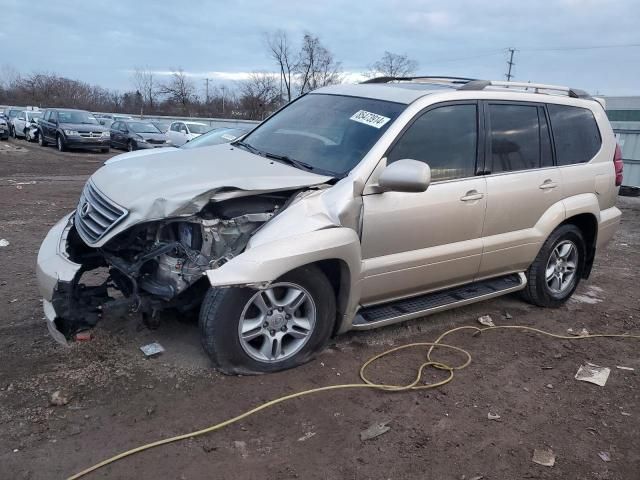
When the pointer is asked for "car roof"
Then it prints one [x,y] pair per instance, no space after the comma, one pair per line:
[391,92]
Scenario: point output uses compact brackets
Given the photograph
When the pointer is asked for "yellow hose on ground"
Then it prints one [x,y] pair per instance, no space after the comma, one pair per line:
[366,383]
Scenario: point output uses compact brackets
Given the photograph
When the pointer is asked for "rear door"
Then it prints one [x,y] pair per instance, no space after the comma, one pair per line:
[419,242]
[523,185]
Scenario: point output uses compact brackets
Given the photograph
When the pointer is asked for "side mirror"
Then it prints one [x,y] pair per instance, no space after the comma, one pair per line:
[405,176]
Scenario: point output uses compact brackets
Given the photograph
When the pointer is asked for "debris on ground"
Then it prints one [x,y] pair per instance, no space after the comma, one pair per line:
[4,242]
[486,320]
[626,414]
[593,374]
[306,436]
[583,332]
[152,349]
[242,446]
[493,416]
[507,315]
[604,456]
[549,386]
[374,431]
[84,336]
[625,368]
[58,399]
[544,457]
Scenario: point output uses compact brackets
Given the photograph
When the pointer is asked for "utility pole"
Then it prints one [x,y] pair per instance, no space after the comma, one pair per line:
[223,89]
[510,64]
[206,81]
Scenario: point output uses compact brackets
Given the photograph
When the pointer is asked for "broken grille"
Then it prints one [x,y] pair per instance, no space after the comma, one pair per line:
[96,214]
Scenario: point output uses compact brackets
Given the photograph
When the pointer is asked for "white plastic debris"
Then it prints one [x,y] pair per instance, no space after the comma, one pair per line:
[493,416]
[580,333]
[604,456]
[152,349]
[4,242]
[486,320]
[374,431]
[625,368]
[544,457]
[306,436]
[593,374]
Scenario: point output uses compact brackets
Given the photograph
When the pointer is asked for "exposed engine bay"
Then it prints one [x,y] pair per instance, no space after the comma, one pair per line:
[160,264]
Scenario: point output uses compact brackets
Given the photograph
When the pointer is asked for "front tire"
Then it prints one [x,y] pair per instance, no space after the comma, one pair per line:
[130,146]
[41,141]
[555,273]
[60,142]
[248,331]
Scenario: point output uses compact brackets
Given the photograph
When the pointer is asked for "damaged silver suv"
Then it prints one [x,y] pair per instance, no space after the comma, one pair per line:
[355,206]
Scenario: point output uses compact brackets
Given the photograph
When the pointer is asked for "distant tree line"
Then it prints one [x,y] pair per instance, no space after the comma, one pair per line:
[301,68]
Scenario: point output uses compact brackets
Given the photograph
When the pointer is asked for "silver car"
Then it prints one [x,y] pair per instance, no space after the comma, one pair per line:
[354,207]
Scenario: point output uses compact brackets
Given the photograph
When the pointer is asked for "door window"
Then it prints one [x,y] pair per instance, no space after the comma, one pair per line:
[174,127]
[575,133]
[445,138]
[514,137]
[115,126]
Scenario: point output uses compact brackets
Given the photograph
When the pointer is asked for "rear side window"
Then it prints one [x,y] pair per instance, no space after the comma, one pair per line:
[514,137]
[575,133]
[445,138]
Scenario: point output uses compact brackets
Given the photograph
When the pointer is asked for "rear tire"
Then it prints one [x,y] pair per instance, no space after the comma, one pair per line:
[555,273]
[237,347]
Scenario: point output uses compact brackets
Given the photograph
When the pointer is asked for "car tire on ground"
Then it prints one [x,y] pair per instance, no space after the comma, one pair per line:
[130,146]
[12,132]
[248,331]
[60,143]
[41,141]
[104,150]
[555,273]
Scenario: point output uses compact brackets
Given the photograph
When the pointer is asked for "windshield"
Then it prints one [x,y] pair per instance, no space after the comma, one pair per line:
[331,133]
[14,113]
[76,117]
[139,127]
[197,128]
[34,115]
[215,137]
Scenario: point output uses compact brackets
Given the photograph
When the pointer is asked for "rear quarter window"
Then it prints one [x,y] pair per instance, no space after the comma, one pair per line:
[575,134]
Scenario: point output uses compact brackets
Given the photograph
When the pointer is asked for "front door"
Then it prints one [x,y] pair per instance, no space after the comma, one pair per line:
[418,242]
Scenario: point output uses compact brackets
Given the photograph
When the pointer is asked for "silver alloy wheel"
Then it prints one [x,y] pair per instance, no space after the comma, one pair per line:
[561,267]
[60,146]
[277,322]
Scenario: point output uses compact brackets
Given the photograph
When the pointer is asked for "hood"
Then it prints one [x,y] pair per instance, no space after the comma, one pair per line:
[151,136]
[139,153]
[175,182]
[83,127]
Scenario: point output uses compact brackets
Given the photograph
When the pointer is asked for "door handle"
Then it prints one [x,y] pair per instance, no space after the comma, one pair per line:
[548,184]
[472,195]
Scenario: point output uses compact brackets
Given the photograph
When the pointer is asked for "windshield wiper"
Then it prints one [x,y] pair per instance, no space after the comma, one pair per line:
[289,161]
[247,146]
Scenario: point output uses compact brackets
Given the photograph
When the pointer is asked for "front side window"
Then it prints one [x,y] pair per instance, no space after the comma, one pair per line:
[328,133]
[197,128]
[514,137]
[575,133]
[445,138]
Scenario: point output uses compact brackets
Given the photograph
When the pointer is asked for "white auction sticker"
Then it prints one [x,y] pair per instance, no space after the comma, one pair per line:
[368,118]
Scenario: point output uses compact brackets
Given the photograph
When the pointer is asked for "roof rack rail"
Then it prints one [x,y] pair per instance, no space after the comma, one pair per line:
[536,87]
[427,79]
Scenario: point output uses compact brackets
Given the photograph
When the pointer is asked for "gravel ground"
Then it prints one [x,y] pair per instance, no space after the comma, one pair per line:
[116,399]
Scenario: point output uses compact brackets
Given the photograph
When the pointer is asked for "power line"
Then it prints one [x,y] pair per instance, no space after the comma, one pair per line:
[588,47]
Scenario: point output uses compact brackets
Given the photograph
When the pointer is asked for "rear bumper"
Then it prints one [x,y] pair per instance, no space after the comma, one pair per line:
[609,222]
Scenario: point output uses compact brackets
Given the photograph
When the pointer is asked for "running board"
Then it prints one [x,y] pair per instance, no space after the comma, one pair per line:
[408,308]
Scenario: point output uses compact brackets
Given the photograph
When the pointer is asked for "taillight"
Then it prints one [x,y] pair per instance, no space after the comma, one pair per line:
[617,163]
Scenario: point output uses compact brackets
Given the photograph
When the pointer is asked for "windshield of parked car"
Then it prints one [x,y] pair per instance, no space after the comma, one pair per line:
[139,127]
[14,113]
[72,116]
[197,128]
[328,133]
[215,137]
[34,115]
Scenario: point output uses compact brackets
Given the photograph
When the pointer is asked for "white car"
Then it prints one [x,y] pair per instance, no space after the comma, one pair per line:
[23,121]
[181,132]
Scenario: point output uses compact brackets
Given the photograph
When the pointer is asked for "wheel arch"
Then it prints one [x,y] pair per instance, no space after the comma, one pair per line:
[587,223]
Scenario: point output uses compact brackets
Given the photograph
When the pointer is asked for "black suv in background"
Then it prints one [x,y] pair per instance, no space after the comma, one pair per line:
[72,129]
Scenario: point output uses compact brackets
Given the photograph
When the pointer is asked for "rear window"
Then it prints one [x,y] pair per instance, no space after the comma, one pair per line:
[575,133]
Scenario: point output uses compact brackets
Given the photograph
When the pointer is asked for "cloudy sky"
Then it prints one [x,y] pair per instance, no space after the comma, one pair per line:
[102,41]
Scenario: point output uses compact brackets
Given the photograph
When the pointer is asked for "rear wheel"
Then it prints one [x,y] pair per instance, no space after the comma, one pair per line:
[247,331]
[555,273]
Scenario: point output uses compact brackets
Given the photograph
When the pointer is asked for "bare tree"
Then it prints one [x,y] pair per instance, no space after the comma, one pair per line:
[259,95]
[393,65]
[179,89]
[143,80]
[281,51]
[316,66]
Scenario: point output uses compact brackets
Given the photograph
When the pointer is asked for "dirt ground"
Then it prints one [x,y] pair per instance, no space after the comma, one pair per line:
[118,400]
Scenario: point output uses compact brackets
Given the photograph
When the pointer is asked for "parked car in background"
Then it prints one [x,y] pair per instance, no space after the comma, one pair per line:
[137,135]
[181,132]
[4,128]
[213,137]
[24,121]
[10,113]
[68,128]
[106,119]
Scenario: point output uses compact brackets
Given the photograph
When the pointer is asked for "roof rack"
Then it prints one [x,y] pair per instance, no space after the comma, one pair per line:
[426,79]
[536,87]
